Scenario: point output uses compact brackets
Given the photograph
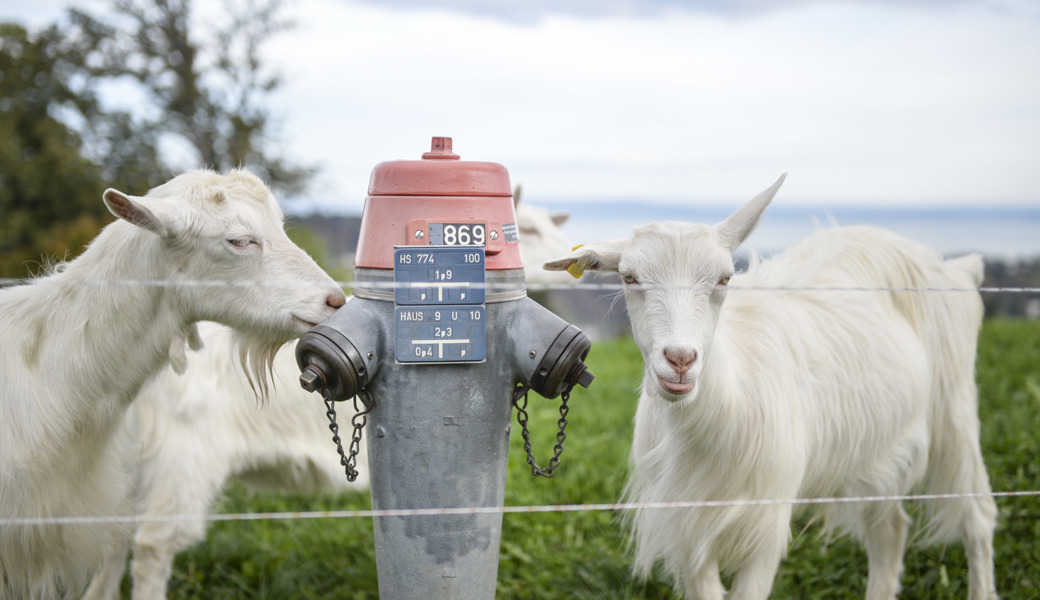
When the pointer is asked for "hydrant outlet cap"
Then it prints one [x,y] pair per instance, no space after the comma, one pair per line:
[439,173]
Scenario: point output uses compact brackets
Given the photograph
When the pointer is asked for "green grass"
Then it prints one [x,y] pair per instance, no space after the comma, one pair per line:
[583,555]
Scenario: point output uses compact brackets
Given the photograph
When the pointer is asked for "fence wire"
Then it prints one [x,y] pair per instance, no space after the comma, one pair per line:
[483,510]
[613,287]
[531,287]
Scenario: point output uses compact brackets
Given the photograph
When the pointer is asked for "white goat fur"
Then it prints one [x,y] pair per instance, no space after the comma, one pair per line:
[541,240]
[199,429]
[794,393]
[80,343]
[202,428]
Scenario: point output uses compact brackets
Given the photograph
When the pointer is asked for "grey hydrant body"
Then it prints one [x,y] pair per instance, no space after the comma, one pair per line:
[438,431]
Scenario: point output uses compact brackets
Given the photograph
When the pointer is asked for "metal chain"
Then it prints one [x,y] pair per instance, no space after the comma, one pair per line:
[358,421]
[349,461]
[561,435]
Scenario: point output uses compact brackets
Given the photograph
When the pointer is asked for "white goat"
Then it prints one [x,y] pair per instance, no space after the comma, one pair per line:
[541,240]
[80,343]
[199,429]
[798,392]
[203,427]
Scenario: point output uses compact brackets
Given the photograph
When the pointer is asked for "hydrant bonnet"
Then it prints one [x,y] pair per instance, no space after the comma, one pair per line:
[439,200]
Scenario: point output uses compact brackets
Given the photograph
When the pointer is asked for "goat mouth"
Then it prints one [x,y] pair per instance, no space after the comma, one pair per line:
[307,324]
[678,387]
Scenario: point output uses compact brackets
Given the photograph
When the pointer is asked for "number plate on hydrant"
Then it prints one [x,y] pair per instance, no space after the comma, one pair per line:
[439,313]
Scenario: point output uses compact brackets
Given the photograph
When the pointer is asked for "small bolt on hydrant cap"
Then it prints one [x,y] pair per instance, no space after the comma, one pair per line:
[440,149]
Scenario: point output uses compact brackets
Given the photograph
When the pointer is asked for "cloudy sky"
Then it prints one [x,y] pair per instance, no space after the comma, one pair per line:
[873,102]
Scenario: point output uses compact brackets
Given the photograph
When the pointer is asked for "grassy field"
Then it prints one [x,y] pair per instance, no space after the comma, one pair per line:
[582,554]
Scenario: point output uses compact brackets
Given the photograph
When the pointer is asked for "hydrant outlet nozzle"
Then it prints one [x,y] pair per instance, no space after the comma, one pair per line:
[312,379]
[584,377]
[330,363]
[563,364]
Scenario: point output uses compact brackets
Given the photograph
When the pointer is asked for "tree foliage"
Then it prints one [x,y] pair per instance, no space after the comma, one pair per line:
[209,95]
[199,90]
[49,194]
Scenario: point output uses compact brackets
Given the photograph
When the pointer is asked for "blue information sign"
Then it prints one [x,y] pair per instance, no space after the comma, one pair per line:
[439,275]
[439,312]
[450,333]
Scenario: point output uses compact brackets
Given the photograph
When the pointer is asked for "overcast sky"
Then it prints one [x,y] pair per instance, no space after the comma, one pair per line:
[874,102]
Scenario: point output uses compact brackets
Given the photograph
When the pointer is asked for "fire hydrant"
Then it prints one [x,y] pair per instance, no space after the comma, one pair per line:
[438,343]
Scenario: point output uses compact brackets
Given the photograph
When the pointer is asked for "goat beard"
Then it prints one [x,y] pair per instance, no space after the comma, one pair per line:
[256,357]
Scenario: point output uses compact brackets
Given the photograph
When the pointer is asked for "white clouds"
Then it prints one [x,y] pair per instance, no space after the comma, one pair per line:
[868,101]
[859,102]
[533,10]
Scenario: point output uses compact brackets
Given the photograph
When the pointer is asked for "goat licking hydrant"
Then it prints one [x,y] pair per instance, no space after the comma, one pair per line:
[437,344]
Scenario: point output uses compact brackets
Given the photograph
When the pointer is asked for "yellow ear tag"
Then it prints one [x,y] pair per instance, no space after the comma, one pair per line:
[575,269]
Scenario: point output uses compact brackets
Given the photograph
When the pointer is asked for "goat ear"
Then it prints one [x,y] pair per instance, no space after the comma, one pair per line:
[559,218]
[737,227]
[133,209]
[600,256]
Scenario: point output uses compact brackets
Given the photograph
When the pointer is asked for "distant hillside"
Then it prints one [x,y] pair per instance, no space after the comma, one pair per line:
[1012,274]
[340,234]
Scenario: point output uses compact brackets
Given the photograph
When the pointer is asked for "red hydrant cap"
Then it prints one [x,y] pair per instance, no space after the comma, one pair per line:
[439,173]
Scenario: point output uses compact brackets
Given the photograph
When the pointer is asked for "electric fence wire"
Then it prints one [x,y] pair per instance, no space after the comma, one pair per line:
[619,506]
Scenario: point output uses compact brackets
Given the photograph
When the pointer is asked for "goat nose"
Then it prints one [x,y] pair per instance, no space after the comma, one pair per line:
[680,358]
[335,300]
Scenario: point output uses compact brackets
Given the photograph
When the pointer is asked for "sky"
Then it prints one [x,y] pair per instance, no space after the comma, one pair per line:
[882,103]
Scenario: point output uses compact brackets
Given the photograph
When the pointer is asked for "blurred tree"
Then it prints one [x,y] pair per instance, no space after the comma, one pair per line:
[50,196]
[209,95]
[61,146]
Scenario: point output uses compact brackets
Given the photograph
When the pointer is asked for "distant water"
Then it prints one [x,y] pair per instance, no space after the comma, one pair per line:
[995,232]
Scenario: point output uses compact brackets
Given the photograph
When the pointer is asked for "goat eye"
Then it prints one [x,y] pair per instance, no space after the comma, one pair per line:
[628,278]
[240,243]
[724,281]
